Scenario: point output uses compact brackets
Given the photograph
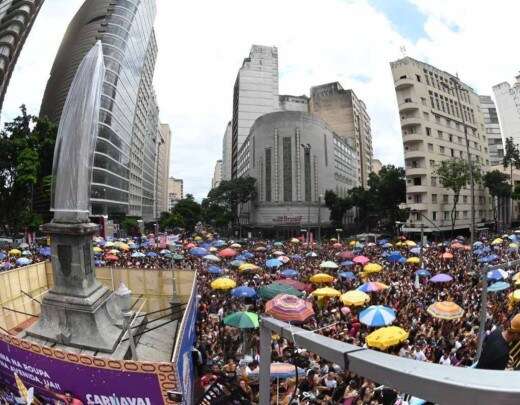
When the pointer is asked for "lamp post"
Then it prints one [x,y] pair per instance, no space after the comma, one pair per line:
[319,217]
[338,231]
[307,177]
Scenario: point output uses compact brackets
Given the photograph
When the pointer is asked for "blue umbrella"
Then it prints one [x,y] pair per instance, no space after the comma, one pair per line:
[243,292]
[382,242]
[215,270]
[2,256]
[296,257]
[236,263]
[423,273]
[394,256]
[152,254]
[289,273]
[23,261]
[498,286]
[487,259]
[486,249]
[415,250]
[377,315]
[219,243]
[402,260]
[137,254]
[347,263]
[478,244]
[347,275]
[497,274]
[99,263]
[198,251]
[273,263]
[241,258]
[44,251]
[248,255]
[7,266]
[205,245]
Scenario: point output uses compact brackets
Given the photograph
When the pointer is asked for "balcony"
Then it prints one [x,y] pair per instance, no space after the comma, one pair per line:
[417,206]
[414,153]
[416,171]
[410,122]
[410,188]
[404,83]
[409,106]
[413,137]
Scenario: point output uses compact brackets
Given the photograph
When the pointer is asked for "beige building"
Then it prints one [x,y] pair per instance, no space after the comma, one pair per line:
[376,166]
[175,191]
[163,168]
[432,119]
[347,116]
[217,174]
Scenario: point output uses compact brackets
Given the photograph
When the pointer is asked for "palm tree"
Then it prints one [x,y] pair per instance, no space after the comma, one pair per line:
[511,158]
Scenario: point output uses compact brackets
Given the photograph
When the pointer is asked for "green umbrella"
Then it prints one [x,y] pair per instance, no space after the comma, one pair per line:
[242,320]
[272,290]
[177,257]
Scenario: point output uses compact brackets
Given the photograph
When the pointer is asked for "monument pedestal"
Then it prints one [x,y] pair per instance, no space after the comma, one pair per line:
[78,310]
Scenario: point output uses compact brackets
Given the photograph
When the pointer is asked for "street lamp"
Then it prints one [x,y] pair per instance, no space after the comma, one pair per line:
[307,155]
[338,231]
[319,217]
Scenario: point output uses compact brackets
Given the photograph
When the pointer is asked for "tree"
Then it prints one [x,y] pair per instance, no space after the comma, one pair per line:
[188,211]
[511,158]
[169,220]
[130,226]
[364,202]
[454,175]
[338,206]
[496,182]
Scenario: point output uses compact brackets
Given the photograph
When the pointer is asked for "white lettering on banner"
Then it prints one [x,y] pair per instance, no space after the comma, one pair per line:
[284,219]
[30,373]
[94,399]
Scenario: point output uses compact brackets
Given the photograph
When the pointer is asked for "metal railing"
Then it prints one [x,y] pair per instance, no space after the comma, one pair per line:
[433,382]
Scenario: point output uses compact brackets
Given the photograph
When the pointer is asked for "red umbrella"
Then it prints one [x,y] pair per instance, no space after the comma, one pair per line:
[296,284]
[111,257]
[287,308]
[227,252]
[347,254]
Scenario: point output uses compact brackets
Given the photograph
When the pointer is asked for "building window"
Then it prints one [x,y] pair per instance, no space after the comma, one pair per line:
[434,181]
[434,198]
[287,169]
[428,131]
[430,147]
[268,174]
[441,150]
[446,215]
[434,215]
[445,198]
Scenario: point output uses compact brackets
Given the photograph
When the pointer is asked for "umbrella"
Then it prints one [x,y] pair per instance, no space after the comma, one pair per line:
[165,252]
[215,270]
[499,286]
[113,251]
[383,338]
[282,371]
[219,243]
[497,274]
[514,296]
[372,268]
[441,278]
[177,257]
[227,252]
[243,292]
[423,273]
[242,320]
[15,252]
[295,240]
[516,276]
[26,253]
[296,257]
[241,258]
[223,283]
[361,260]
[289,273]
[354,298]
[270,291]
[413,260]
[295,284]
[278,253]
[236,263]
[497,241]
[278,243]
[328,265]
[23,245]
[111,258]
[23,261]
[321,278]
[347,275]
[311,254]
[478,244]
[394,256]
[260,249]
[109,244]
[446,256]
[326,292]
[211,258]
[190,245]
[347,254]
[347,263]
[7,266]
[235,245]
[445,310]
[372,286]
[2,256]
[99,263]
[273,263]
[97,249]
[377,315]
[410,243]
[248,267]
[387,245]
[152,254]
[284,259]
[198,251]
[415,251]
[45,251]
[137,254]
[289,308]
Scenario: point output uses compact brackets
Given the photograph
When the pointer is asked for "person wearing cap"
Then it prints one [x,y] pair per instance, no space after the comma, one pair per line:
[495,351]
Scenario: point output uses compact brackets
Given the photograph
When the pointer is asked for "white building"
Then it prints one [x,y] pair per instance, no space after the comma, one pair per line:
[255,94]
[226,153]
[175,191]
[493,133]
[217,174]
[508,104]
[433,108]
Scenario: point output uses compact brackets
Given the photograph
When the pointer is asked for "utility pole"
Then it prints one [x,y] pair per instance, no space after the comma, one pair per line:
[307,177]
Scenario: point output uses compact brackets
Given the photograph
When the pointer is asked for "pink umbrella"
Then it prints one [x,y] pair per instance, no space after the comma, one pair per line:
[227,252]
[347,254]
[345,310]
[361,260]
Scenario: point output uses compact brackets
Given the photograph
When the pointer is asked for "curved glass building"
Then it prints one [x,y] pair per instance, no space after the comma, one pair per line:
[123,179]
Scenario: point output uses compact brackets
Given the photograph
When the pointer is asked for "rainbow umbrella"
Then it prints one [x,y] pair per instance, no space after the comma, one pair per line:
[289,308]
[372,286]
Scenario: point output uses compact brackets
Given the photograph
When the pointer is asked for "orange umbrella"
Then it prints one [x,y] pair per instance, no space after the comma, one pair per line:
[111,258]
[447,256]
[445,310]
[227,252]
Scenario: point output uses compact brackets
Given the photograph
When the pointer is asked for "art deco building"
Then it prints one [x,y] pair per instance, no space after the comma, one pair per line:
[433,108]
[16,20]
[125,167]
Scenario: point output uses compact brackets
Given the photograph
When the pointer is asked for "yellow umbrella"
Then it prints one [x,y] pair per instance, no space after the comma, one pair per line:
[197,238]
[410,243]
[109,244]
[321,278]
[372,268]
[223,283]
[352,242]
[97,249]
[247,267]
[383,338]
[14,252]
[413,260]
[295,240]
[326,292]
[445,310]
[513,245]
[497,241]
[122,246]
[514,296]
[516,276]
[354,298]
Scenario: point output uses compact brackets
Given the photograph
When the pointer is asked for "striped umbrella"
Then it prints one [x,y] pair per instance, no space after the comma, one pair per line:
[372,286]
[289,308]
[377,315]
[445,310]
[295,284]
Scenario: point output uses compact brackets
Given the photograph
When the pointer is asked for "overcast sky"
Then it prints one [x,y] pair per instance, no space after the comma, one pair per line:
[202,44]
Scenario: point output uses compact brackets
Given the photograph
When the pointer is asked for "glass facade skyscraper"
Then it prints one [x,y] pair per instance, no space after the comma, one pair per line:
[123,178]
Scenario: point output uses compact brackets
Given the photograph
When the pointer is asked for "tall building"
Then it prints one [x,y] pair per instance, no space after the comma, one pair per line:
[163,169]
[123,178]
[493,133]
[294,103]
[255,93]
[376,166]
[226,153]
[217,174]
[175,191]
[17,18]
[348,117]
[432,123]
[508,104]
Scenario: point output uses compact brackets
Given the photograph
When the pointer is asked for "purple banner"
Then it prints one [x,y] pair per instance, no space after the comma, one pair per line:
[54,380]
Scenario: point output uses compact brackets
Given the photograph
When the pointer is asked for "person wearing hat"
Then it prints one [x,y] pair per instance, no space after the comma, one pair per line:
[495,351]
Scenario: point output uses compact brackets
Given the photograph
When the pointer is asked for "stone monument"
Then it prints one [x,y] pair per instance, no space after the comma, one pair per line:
[78,310]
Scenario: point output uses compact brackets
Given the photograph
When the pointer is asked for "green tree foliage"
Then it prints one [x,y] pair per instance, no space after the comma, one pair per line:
[389,190]
[498,186]
[169,221]
[26,152]
[338,206]
[454,175]
[130,226]
[186,213]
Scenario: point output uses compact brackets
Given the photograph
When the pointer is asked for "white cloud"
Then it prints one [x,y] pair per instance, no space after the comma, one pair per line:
[202,44]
